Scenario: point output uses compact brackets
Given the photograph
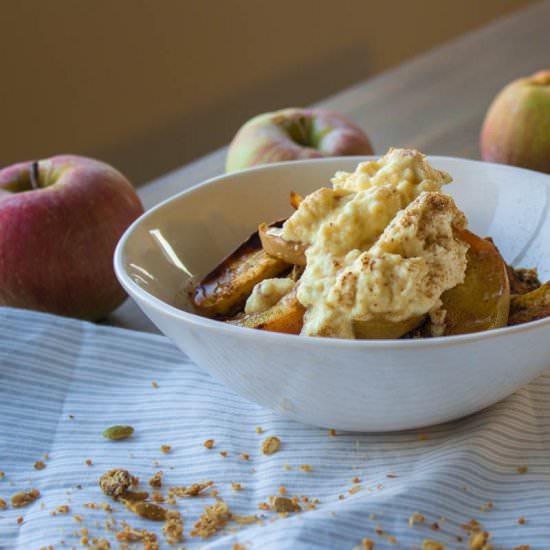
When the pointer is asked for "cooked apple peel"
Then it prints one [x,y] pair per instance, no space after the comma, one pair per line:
[292,252]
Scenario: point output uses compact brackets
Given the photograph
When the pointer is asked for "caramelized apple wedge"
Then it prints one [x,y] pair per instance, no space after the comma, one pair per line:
[272,242]
[295,200]
[276,246]
[531,306]
[224,290]
[482,301]
[385,330]
[285,316]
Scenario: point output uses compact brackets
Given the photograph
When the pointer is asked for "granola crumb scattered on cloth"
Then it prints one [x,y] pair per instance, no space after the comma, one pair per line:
[129,534]
[156,480]
[115,483]
[24,498]
[97,389]
[416,517]
[270,445]
[193,490]
[284,504]
[173,527]
[215,517]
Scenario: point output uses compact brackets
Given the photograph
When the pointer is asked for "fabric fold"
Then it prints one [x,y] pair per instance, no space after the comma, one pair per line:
[62,382]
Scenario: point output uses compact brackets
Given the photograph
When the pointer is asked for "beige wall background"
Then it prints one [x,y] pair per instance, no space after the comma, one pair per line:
[149,85]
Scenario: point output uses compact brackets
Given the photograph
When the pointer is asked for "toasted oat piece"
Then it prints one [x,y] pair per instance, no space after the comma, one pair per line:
[224,290]
[270,445]
[531,306]
[522,280]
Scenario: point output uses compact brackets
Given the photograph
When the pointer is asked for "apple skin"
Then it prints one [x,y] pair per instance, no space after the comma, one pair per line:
[516,129]
[57,241]
[295,133]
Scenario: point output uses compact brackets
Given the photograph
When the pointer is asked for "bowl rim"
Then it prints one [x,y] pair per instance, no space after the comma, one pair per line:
[134,290]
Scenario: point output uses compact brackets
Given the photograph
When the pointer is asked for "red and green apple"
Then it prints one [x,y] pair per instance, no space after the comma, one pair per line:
[291,134]
[60,220]
[516,129]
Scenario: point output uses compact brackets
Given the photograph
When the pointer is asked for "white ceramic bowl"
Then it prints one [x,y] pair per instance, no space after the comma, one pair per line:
[350,385]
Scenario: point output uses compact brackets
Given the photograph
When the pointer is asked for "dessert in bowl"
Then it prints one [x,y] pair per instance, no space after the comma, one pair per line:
[331,375]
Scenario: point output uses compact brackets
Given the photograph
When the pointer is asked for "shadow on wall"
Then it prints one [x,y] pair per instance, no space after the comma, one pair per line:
[205,129]
[149,86]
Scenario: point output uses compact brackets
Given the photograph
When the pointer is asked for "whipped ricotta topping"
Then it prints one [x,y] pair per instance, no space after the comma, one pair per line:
[382,244]
[267,293]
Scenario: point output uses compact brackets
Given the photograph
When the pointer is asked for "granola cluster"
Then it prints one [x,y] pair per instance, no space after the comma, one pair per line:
[117,482]
[123,487]
[215,517]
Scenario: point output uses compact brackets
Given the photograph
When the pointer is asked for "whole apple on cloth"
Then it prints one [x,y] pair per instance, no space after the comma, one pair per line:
[60,220]
[295,133]
[516,129]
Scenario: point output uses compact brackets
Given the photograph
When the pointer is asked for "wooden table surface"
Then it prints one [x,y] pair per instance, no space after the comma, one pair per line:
[435,103]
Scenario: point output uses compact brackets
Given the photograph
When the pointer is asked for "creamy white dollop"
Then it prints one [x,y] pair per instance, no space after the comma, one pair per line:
[401,276]
[383,244]
[267,293]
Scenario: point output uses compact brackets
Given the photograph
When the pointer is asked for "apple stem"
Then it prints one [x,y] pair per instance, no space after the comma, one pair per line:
[35,175]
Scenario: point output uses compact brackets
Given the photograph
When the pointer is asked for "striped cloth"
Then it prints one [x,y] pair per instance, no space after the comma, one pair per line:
[64,381]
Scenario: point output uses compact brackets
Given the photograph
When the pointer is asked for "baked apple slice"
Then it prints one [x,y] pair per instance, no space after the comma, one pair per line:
[286,316]
[272,242]
[276,246]
[482,301]
[385,330]
[224,290]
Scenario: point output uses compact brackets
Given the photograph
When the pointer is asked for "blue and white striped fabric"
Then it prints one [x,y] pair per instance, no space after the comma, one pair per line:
[53,368]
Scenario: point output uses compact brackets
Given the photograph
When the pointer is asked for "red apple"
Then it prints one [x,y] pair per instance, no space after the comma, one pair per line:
[60,220]
[517,126]
[295,133]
